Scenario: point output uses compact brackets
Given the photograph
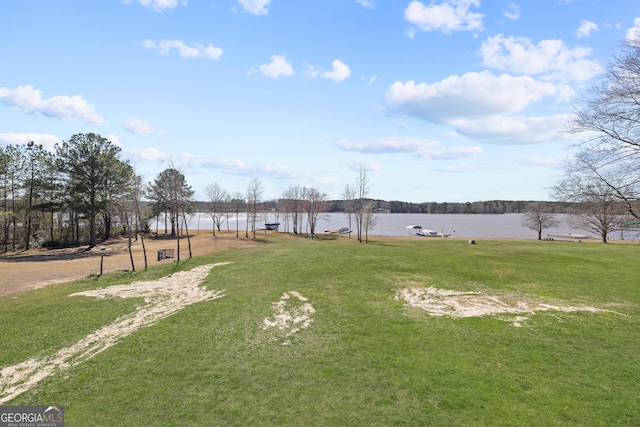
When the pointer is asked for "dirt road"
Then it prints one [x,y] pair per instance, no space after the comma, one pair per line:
[38,268]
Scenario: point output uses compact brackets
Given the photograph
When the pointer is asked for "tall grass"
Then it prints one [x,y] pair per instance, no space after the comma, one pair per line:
[366,359]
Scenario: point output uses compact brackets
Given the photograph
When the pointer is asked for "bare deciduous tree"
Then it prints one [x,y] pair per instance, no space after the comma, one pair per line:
[369,220]
[361,192]
[237,201]
[128,211]
[292,207]
[348,195]
[537,219]
[216,205]
[141,214]
[610,120]
[315,206]
[595,206]
[254,197]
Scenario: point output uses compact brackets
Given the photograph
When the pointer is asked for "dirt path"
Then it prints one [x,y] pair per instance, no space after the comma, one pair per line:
[38,268]
[163,297]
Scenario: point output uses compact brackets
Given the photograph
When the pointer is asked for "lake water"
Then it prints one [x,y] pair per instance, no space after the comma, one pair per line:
[469,226]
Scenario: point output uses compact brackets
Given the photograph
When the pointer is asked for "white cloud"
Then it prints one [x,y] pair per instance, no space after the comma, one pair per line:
[63,107]
[512,12]
[197,164]
[278,67]
[633,33]
[472,95]
[565,93]
[146,154]
[551,59]
[388,145]
[328,181]
[507,130]
[463,167]
[545,162]
[185,51]
[481,106]
[279,171]
[255,7]
[451,15]
[114,140]
[371,80]
[158,5]
[366,3]
[339,72]
[47,140]
[451,153]
[310,72]
[421,148]
[194,163]
[140,127]
[203,165]
[585,29]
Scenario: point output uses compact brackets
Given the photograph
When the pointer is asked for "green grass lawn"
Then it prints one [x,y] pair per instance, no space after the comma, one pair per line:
[366,359]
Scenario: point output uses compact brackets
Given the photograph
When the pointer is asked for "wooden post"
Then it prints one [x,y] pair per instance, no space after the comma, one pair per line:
[102,249]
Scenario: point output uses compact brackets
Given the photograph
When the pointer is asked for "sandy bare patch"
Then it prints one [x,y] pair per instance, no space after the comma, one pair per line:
[289,315]
[442,302]
[162,298]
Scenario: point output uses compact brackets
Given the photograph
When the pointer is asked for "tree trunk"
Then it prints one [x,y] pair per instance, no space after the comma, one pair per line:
[144,252]
[27,237]
[133,267]
[92,230]
[186,228]
[92,220]
[107,226]
[178,244]
[51,228]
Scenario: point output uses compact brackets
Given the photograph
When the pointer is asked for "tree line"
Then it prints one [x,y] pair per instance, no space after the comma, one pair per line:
[71,195]
[81,193]
[478,207]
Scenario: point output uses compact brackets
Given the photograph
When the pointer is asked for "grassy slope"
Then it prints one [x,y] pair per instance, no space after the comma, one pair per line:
[366,359]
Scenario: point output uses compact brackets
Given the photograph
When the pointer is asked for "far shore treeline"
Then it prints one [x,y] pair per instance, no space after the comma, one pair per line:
[478,207]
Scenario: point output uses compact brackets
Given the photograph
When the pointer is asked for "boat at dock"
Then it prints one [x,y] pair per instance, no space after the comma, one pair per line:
[432,233]
[424,232]
[343,230]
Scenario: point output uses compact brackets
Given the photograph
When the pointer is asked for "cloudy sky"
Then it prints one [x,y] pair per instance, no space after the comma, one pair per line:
[443,100]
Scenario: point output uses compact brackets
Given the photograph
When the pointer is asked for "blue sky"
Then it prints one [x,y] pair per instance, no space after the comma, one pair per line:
[445,100]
